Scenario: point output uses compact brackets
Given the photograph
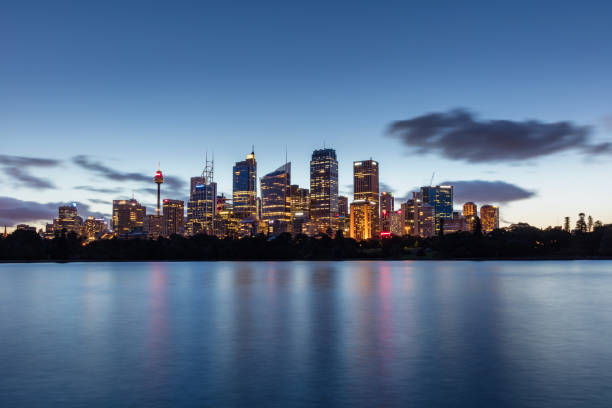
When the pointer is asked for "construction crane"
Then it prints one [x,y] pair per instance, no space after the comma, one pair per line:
[432,177]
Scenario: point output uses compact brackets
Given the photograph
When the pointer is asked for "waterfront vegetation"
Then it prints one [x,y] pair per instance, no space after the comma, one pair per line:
[517,242]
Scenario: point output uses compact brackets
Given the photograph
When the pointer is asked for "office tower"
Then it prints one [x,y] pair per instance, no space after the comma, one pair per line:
[244,181]
[407,209]
[424,217]
[387,204]
[68,219]
[276,199]
[455,224]
[489,217]
[323,190]
[128,215]
[23,227]
[363,217]
[202,204]
[174,217]
[441,199]
[226,225]
[300,210]
[365,188]
[470,212]
[153,226]
[343,206]
[94,228]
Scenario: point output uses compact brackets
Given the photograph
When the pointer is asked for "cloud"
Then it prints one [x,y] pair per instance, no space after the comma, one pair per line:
[99,201]
[174,184]
[385,187]
[98,190]
[482,191]
[15,211]
[459,135]
[17,168]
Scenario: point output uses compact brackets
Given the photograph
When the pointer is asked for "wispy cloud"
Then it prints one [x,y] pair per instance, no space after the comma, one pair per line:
[98,189]
[102,170]
[15,211]
[459,135]
[482,191]
[18,168]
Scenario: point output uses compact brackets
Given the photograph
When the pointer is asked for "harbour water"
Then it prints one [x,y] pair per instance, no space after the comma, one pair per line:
[306,334]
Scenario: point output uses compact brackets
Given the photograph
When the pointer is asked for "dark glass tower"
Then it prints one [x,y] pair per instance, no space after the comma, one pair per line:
[441,199]
[244,195]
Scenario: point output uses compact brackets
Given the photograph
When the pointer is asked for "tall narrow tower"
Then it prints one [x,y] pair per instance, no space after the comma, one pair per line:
[158,179]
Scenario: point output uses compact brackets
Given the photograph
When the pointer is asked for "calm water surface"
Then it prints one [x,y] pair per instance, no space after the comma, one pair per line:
[302,334]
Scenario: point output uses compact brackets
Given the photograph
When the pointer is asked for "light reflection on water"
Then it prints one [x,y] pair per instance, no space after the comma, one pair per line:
[306,334]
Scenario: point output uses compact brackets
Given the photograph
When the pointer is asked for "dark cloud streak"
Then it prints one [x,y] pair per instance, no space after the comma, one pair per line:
[482,191]
[459,135]
[17,168]
[14,211]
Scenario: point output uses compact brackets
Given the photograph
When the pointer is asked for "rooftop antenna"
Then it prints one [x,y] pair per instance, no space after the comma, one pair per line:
[432,177]
[253,149]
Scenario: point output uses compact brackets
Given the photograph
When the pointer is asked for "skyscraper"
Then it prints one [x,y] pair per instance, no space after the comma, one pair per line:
[245,187]
[366,188]
[128,215]
[424,217]
[489,217]
[387,204]
[344,221]
[323,189]
[68,219]
[300,210]
[202,204]
[276,199]
[408,214]
[441,199]
[470,212]
[174,217]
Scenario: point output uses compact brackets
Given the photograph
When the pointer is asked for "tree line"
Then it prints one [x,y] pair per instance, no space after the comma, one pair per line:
[516,242]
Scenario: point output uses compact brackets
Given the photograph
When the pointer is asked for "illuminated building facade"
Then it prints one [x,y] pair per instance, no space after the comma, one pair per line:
[174,217]
[470,212]
[455,224]
[128,215]
[324,189]
[407,209]
[226,225]
[396,223]
[424,217]
[300,210]
[363,216]
[441,199]
[366,188]
[94,228]
[244,183]
[68,219]
[387,206]
[276,199]
[489,217]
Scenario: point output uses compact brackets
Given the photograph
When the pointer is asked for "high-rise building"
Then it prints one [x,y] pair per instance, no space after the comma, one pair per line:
[396,223]
[407,209]
[441,199]
[363,216]
[324,189]
[128,215]
[276,199]
[202,204]
[424,217]
[489,217]
[68,219]
[300,210]
[174,217]
[158,179]
[244,196]
[387,204]
[344,220]
[366,188]
[470,212]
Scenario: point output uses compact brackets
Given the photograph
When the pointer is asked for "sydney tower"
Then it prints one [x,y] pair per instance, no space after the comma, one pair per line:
[159,179]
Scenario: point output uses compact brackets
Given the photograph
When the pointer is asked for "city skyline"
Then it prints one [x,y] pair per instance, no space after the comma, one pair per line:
[86,107]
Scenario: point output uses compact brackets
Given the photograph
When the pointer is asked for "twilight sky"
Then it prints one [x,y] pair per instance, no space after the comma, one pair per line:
[510,102]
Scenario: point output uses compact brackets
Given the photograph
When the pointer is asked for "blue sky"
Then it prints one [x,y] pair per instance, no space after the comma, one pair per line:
[129,85]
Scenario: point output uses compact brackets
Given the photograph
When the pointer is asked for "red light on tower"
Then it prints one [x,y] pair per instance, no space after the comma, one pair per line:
[159,178]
